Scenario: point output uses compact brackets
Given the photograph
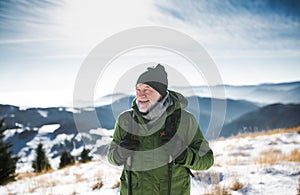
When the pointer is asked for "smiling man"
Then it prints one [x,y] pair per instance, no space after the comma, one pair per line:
[146,97]
[157,141]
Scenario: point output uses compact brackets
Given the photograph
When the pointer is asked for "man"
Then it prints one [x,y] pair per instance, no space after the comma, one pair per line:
[157,141]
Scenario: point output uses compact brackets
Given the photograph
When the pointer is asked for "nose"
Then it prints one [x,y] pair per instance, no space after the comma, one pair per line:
[141,94]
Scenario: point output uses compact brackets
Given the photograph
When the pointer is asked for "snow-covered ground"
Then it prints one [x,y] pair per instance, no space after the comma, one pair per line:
[246,165]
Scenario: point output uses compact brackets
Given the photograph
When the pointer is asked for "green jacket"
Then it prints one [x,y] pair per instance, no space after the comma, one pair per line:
[149,163]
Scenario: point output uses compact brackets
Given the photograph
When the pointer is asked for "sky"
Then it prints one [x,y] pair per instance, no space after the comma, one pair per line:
[43,44]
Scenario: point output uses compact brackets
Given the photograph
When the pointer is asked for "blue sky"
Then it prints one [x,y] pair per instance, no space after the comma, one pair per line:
[43,43]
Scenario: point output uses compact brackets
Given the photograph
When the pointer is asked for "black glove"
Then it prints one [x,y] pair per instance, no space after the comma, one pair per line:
[126,149]
[176,147]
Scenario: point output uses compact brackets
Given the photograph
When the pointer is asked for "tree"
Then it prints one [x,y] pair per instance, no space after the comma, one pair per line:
[41,162]
[84,156]
[66,159]
[7,161]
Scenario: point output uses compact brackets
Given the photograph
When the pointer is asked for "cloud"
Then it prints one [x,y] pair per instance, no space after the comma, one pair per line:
[28,17]
[237,25]
[21,41]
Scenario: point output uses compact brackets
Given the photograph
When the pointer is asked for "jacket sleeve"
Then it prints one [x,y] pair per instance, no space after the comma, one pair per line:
[199,154]
[118,135]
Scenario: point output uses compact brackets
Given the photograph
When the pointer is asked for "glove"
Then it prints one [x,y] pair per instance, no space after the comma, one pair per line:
[125,149]
[176,147]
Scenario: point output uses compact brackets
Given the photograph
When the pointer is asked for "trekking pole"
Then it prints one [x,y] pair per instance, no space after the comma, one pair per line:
[129,165]
[170,173]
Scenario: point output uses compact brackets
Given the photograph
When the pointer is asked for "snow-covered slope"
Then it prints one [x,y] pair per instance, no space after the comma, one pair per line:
[261,164]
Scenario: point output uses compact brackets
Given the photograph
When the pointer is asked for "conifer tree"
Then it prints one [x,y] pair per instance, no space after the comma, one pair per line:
[7,161]
[41,162]
[66,159]
[84,156]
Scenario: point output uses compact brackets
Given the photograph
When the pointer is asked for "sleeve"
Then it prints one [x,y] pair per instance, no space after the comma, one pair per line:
[199,154]
[118,135]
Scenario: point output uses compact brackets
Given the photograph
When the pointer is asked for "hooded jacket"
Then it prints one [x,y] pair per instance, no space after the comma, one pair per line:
[150,161]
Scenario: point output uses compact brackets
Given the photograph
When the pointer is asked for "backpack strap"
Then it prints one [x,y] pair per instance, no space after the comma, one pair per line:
[171,124]
[131,126]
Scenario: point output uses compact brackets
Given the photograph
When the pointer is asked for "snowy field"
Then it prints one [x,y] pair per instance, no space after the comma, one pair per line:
[252,164]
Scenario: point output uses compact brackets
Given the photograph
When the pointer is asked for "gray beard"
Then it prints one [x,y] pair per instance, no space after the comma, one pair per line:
[158,109]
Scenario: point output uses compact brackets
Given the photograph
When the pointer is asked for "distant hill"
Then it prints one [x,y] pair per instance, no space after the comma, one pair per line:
[263,94]
[234,109]
[269,117]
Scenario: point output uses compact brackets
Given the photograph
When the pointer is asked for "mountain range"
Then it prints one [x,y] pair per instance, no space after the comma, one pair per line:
[263,94]
[248,109]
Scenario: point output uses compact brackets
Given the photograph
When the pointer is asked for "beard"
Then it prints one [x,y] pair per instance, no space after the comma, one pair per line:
[150,104]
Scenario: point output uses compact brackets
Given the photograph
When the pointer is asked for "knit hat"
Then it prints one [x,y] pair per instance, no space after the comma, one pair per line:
[156,77]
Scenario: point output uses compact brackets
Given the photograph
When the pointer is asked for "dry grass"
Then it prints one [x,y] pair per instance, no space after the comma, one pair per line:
[117,185]
[238,160]
[270,156]
[233,161]
[219,189]
[74,193]
[236,185]
[43,182]
[32,174]
[271,132]
[239,154]
[48,180]
[294,156]
[273,156]
[98,185]
[79,178]
[25,175]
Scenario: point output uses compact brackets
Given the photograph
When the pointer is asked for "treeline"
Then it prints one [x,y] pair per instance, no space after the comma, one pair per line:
[8,161]
[41,162]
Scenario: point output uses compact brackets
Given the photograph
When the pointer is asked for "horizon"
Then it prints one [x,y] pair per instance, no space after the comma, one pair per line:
[111,96]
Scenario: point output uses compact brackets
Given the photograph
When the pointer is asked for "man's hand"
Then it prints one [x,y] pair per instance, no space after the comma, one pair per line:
[126,149]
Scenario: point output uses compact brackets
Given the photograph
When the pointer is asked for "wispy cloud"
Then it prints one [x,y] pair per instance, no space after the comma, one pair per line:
[20,41]
[238,25]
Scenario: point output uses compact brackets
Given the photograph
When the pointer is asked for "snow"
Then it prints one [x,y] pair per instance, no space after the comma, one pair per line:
[48,128]
[73,110]
[102,132]
[236,161]
[43,113]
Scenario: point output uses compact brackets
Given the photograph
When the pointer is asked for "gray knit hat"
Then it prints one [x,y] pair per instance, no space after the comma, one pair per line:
[156,77]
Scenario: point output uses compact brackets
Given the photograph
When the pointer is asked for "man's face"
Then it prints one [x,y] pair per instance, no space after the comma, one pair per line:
[146,97]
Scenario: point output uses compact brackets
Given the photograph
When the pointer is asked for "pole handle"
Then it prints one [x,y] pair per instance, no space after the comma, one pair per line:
[129,162]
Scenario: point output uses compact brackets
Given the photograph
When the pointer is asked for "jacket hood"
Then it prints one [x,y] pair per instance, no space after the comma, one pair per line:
[179,100]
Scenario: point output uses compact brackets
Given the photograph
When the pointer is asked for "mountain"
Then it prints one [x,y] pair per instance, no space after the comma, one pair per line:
[267,93]
[263,94]
[71,129]
[234,109]
[269,117]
